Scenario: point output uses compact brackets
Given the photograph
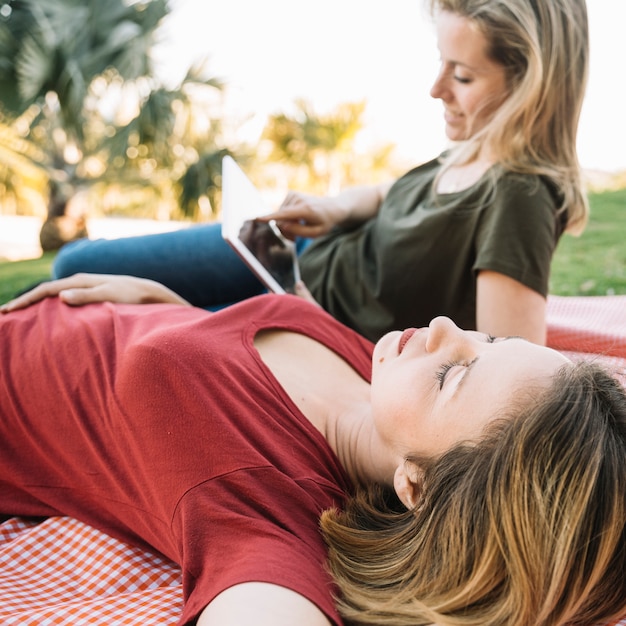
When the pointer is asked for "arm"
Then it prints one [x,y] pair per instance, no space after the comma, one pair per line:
[262,604]
[305,215]
[82,289]
[506,307]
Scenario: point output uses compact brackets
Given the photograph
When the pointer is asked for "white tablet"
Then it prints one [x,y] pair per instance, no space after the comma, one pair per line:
[260,245]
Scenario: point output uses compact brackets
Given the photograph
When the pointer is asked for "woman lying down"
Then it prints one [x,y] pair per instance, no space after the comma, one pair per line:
[301,475]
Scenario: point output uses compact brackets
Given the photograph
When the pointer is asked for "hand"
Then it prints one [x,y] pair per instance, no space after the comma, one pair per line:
[82,289]
[305,215]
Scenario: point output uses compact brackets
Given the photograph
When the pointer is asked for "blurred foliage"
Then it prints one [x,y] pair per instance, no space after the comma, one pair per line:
[22,181]
[81,106]
[88,128]
[319,148]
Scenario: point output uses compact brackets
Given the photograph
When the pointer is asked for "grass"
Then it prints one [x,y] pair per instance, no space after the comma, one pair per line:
[16,276]
[593,264]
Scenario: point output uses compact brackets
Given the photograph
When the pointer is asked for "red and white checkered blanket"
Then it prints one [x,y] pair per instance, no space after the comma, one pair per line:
[60,572]
[590,327]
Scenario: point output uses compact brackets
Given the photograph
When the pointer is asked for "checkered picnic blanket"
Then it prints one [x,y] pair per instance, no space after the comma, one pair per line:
[590,327]
[60,572]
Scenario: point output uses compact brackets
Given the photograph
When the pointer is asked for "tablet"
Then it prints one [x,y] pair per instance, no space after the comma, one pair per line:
[260,245]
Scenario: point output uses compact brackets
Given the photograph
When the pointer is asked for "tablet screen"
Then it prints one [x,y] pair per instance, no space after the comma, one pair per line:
[260,244]
[275,253]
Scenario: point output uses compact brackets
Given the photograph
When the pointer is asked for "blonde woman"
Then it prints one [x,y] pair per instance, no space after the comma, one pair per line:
[219,439]
[469,235]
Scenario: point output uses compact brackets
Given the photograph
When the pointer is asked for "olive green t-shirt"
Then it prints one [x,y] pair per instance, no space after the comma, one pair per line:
[420,255]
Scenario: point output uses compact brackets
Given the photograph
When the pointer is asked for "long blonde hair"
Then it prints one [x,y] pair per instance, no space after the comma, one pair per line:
[525,527]
[544,48]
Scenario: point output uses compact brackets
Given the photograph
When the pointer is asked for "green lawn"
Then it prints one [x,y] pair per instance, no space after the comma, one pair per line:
[593,264]
[18,275]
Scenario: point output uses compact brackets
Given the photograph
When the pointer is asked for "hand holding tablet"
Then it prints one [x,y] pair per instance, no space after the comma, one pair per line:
[260,244]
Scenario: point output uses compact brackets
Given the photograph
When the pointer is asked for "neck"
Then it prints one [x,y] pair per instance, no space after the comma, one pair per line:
[351,435]
[460,177]
[333,397]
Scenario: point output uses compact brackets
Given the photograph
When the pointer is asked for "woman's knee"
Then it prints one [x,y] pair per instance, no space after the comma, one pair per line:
[69,260]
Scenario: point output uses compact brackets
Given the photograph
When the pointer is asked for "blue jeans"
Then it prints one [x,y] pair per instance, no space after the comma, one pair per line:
[194,262]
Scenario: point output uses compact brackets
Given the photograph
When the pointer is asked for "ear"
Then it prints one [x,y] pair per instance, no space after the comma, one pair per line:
[407,484]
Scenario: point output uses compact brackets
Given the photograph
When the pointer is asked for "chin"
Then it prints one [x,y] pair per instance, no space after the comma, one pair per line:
[385,345]
[456,135]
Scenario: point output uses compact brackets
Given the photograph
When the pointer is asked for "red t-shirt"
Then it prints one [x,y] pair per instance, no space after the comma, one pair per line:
[161,426]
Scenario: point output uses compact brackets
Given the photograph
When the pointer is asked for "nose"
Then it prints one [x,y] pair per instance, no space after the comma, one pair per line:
[442,331]
[438,90]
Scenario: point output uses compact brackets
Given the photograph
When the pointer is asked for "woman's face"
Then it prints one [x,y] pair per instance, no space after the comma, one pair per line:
[470,84]
[437,386]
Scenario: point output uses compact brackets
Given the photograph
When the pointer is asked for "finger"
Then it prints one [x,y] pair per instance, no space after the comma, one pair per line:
[105,291]
[80,296]
[291,199]
[282,215]
[267,218]
[48,289]
[44,290]
[295,229]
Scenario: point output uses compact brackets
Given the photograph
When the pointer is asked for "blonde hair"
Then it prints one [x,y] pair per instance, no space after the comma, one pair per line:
[544,48]
[525,527]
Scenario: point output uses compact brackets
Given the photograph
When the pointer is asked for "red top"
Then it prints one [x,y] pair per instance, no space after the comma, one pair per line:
[161,426]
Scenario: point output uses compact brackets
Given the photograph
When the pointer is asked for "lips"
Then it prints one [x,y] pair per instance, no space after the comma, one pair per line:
[451,118]
[404,338]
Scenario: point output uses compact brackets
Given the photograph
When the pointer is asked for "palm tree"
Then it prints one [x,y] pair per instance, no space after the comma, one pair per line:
[22,180]
[174,144]
[81,72]
[321,144]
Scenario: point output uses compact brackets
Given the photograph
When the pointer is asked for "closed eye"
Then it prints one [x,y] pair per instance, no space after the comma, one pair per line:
[442,372]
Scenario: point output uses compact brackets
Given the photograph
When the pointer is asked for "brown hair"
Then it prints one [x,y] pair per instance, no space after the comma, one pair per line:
[525,527]
[544,48]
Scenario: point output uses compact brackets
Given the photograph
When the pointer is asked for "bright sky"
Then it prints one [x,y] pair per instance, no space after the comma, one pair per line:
[330,51]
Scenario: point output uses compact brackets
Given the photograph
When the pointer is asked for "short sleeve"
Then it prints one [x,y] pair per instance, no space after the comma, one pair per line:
[255,525]
[518,232]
